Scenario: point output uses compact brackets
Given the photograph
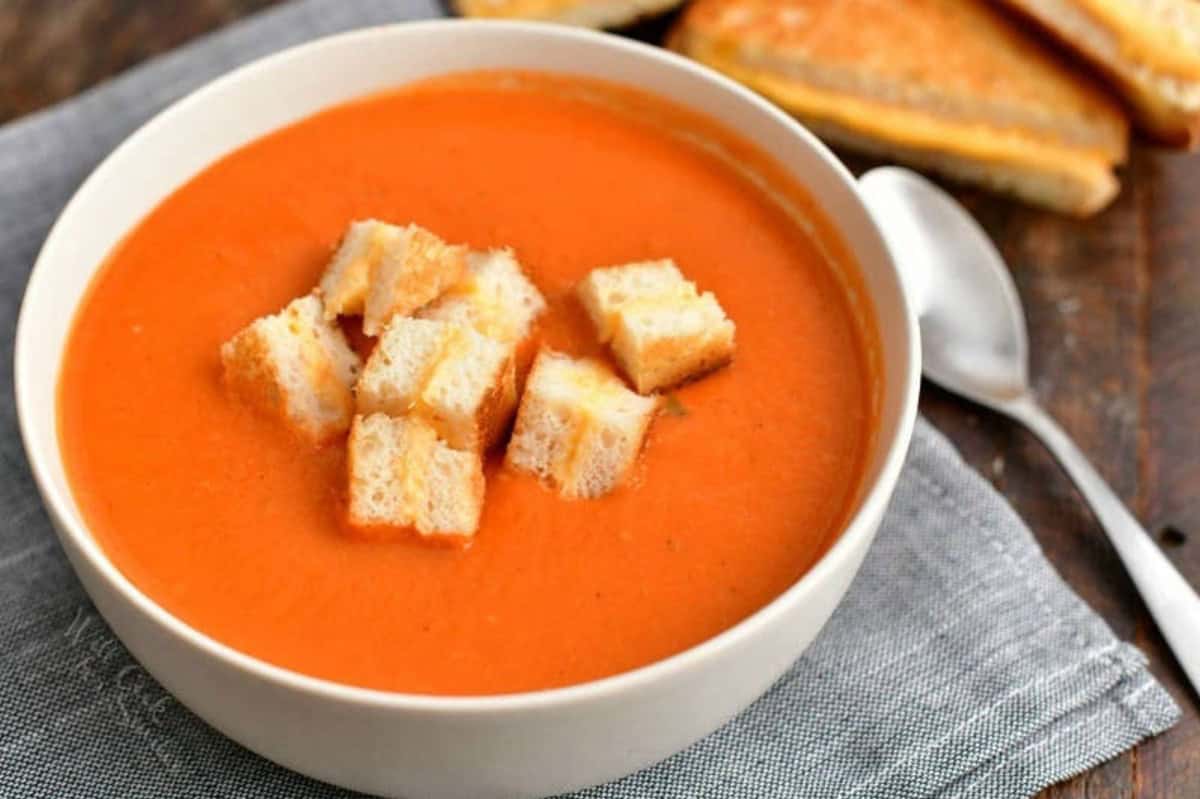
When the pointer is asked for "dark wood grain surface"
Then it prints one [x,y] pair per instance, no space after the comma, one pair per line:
[1114,314]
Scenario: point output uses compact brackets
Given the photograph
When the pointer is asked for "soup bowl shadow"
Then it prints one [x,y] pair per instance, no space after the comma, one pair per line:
[395,744]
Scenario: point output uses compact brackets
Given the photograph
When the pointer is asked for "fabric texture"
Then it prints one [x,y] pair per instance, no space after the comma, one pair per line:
[959,665]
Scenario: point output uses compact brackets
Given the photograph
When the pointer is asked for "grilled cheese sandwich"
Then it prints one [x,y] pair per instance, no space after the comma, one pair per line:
[1150,49]
[950,85]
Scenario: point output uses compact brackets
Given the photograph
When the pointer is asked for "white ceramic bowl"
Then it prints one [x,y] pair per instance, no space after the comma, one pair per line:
[426,746]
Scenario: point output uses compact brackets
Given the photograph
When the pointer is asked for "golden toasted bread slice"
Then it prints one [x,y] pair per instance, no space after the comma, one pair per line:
[584,13]
[955,86]
[1150,49]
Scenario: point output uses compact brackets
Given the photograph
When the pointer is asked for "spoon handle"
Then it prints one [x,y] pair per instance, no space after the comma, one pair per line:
[1173,603]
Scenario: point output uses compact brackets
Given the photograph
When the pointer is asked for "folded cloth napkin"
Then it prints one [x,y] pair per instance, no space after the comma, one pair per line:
[959,664]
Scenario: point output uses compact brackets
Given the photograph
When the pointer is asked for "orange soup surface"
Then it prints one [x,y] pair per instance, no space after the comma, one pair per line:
[235,526]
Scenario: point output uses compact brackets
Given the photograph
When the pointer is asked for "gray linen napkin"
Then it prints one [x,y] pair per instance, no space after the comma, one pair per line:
[959,665]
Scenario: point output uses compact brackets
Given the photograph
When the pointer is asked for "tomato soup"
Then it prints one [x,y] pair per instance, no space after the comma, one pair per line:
[235,527]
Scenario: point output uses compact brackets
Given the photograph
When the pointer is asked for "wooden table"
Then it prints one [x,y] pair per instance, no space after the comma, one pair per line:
[1114,316]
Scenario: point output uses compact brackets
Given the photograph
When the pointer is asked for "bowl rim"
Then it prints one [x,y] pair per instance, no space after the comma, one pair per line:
[872,503]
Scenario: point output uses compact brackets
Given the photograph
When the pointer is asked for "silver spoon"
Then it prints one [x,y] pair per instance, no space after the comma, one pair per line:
[973,342]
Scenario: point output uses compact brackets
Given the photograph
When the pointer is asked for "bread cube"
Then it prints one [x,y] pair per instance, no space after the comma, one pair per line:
[296,365]
[459,382]
[661,329]
[664,345]
[495,297]
[401,268]
[605,291]
[411,269]
[343,287]
[402,476]
[578,428]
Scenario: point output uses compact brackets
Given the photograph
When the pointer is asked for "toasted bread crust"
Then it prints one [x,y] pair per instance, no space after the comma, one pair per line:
[1162,34]
[1076,190]
[250,374]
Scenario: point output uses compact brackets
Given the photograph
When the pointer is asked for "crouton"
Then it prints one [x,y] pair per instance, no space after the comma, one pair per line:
[401,475]
[411,269]
[661,329]
[605,291]
[578,428]
[495,297]
[296,365]
[662,345]
[459,382]
[344,285]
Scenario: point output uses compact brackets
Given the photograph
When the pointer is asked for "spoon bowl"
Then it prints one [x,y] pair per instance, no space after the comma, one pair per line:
[973,334]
